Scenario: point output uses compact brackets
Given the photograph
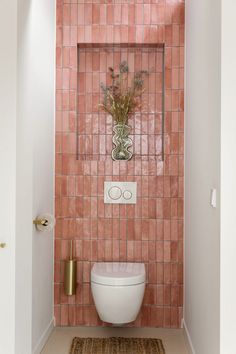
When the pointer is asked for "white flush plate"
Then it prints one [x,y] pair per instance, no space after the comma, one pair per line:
[120,192]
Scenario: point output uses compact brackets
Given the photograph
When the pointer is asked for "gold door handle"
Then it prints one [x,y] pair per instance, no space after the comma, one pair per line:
[43,222]
[2,245]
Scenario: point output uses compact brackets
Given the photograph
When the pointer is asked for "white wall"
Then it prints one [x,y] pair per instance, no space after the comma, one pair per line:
[24,188]
[228,178]
[8,63]
[202,172]
[35,172]
[27,172]
[42,80]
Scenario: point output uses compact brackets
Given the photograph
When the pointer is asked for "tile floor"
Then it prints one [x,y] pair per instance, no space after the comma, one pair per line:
[61,338]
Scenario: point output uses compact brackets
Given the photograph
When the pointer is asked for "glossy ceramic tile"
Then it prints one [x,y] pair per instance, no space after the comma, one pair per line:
[151,231]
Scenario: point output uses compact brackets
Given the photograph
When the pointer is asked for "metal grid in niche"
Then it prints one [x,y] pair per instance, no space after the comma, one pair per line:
[95,127]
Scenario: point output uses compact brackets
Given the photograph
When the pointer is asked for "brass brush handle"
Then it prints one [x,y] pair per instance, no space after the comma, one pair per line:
[2,245]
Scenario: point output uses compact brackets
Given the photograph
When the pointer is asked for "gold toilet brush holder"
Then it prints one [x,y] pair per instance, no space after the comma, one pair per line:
[70,277]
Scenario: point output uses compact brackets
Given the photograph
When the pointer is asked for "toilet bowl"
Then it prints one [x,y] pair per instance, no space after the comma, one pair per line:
[118,290]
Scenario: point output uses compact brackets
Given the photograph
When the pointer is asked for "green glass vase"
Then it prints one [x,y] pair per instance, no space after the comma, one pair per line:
[122,142]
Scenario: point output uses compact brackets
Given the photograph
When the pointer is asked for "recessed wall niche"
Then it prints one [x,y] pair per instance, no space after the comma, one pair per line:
[94,127]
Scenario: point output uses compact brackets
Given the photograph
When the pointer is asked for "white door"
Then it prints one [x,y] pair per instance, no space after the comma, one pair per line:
[8,56]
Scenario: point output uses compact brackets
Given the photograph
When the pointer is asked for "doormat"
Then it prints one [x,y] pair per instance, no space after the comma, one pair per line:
[117,345]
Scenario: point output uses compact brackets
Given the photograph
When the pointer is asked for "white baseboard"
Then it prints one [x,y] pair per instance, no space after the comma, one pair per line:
[188,338]
[44,337]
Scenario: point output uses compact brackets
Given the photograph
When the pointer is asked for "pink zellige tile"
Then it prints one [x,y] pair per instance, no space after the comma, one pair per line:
[154,14]
[130,251]
[167,318]
[64,315]
[144,251]
[139,14]
[151,251]
[145,229]
[138,229]
[174,208]
[145,316]
[58,57]
[174,295]
[102,32]
[94,251]
[167,295]
[96,14]
[74,36]
[174,251]
[156,317]
[125,14]
[88,14]
[110,14]
[115,250]
[180,230]
[108,250]
[159,251]
[168,35]
[152,208]
[152,229]
[161,14]
[146,34]
[145,208]
[167,251]
[176,35]
[131,34]
[59,14]
[124,34]
[159,273]
[57,294]
[146,14]
[59,36]
[137,251]
[168,13]
[159,230]
[103,14]
[123,251]
[74,14]
[88,34]
[79,315]
[117,14]
[95,34]
[101,250]
[108,228]
[153,34]
[174,273]
[72,315]
[167,273]
[81,16]
[174,230]
[131,14]
[174,317]
[66,14]
[160,295]
[117,34]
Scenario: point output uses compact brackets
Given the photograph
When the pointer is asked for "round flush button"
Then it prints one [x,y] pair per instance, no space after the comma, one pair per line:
[127,195]
[115,193]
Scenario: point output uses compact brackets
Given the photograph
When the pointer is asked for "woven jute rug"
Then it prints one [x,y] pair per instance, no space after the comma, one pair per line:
[117,345]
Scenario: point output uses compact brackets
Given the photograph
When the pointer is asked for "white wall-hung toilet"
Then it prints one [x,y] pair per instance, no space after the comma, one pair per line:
[118,290]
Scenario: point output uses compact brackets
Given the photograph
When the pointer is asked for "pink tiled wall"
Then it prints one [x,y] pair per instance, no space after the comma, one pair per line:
[95,126]
[152,230]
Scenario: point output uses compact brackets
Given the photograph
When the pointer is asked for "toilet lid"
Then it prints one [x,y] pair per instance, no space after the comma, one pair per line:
[111,273]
